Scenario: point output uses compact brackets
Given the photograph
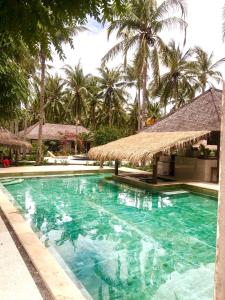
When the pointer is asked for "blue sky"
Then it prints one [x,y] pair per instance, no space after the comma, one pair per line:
[204,29]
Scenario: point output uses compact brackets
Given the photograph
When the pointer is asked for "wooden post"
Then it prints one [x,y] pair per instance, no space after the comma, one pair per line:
[219,292]
[116,167]
[218,157]
[155,170]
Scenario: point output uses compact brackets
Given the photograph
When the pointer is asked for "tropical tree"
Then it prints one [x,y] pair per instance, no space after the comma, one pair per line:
[133,80]
[113,95]
[133,113]
[55,96]
[63,34]
[154,110]
[78,93]
[93,102]
[205,69]
[177,84]
[140,29]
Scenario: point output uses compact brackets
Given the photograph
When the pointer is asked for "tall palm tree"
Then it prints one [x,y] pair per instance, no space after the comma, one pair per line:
[205,69]
[133,80]
[55,96]
[93,102]
[113,95]
[178,83]
[63,33]
[133,113]
[140,29]
[77,91]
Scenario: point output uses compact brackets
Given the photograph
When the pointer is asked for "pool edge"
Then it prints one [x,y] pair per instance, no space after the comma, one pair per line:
[59,284]
[192,187]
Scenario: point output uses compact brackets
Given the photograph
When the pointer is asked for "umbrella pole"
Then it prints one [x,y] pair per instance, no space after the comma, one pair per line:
[155,170]
[116,167]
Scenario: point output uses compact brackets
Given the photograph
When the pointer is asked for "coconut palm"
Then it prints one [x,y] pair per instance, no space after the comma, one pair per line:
[55,96]
[93,102]
[133,117]
[63,33]
[154,110]
[133,80]
[178,83]
[205,69]
[139,31]
[113,96]
[77,93]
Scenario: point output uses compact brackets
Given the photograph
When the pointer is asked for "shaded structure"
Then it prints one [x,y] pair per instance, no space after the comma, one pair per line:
[62,133]
[10,140]
[54,132]
[201,117]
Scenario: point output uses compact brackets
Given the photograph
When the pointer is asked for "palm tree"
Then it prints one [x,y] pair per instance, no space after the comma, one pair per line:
[78,94]
[133,80]
[62,34]
[139,29]
[94,103]
[178,84]
[55,96]
[113,95]
[205,69]
[154,110]
[133,121]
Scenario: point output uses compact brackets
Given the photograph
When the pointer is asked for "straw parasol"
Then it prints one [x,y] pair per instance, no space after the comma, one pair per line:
[144,146]
[10,140]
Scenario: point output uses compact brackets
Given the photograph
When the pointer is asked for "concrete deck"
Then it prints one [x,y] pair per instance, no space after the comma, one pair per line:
[60,169]
[44,170]
[16,282]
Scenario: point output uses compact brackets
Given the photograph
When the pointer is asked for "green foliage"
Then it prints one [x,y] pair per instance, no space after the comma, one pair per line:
[104,135]
[13,88]
[35,21]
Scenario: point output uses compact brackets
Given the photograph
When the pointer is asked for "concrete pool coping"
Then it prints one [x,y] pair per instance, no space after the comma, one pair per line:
[207,188]
[59,284]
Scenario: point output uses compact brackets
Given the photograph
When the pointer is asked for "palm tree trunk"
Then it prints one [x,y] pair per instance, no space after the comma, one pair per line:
[39,155]
[219,293]
[139,108]
[144,94]
[76,132]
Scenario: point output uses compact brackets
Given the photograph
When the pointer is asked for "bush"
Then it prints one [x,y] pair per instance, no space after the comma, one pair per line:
[104,135]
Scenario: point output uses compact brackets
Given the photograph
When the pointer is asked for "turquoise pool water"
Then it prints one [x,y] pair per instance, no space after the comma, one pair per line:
[122,242]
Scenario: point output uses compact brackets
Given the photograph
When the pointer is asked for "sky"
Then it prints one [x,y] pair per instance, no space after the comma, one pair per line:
[204,20]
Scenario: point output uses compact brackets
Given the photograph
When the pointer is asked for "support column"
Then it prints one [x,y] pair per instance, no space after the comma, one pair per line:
[116,167]
[218,157]
[219,291]
[155,170]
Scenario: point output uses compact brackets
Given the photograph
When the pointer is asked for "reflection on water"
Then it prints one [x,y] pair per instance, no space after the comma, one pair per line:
[121,243]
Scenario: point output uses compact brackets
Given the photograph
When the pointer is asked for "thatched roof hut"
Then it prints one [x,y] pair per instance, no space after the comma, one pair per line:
[143,146]
[10,140]
[201,113]
[53,132]
[189,123]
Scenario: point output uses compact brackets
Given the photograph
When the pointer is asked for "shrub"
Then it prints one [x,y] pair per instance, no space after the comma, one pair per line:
[104,135]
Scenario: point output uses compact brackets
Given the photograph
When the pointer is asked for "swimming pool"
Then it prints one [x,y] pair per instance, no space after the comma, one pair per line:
[122,242]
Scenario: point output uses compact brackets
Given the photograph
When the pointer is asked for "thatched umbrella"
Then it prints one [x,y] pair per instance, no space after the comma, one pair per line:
[144,146]
[10,140]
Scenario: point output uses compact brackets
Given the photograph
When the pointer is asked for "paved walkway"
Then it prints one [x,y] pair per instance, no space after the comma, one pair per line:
[20,170]
[16,282]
